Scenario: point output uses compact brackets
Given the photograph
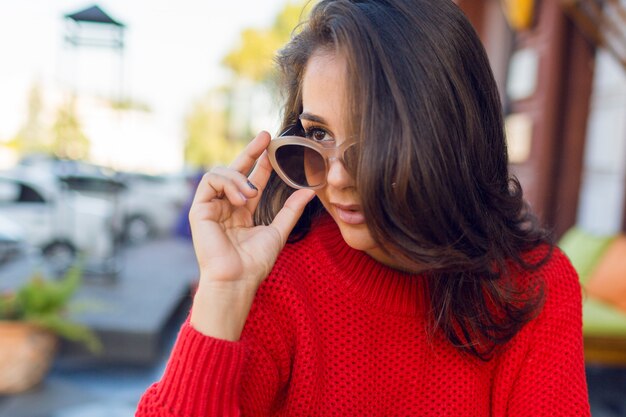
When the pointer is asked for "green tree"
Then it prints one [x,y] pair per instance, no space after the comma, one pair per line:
[69,141]
[210,137]
[253,58]
[32,135]
[206,128]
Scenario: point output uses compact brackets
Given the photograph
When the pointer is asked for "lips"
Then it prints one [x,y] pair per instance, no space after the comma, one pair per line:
[350,214]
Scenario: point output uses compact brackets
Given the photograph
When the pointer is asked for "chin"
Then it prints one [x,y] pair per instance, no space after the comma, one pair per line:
[357,237]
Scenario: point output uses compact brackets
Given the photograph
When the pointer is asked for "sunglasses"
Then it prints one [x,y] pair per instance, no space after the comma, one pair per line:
[303,163]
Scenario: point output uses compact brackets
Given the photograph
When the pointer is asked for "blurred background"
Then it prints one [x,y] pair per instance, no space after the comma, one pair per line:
[110,112]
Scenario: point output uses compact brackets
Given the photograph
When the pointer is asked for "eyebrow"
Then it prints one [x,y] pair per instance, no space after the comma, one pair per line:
[312,118]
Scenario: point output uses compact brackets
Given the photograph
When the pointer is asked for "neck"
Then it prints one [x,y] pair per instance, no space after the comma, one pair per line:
[387,259]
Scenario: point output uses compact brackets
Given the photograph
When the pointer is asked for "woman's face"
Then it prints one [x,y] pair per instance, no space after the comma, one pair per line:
[324,111]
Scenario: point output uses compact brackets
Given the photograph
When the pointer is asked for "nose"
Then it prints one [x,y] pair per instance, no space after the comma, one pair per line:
[337,175]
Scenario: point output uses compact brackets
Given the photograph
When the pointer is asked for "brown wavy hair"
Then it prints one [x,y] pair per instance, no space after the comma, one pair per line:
[424,103]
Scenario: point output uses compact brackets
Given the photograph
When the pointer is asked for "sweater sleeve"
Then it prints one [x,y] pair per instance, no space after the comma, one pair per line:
[207,376]
[202,378]
[550,379]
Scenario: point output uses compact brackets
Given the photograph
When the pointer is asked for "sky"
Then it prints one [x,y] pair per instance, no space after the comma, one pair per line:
[172,56]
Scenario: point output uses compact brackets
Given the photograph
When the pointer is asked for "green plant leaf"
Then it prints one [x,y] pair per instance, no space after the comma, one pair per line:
[43,302]
[8,306]
[68,330]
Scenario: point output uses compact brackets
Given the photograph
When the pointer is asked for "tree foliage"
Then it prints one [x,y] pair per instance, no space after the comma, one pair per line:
[207,142]
[253,58]
[32,135]
[69,141]
[210,138]
[64,138]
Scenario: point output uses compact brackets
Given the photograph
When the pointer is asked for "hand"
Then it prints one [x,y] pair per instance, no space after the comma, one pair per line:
[230,250]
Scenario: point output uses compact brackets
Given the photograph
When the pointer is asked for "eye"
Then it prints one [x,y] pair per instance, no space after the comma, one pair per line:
[318,134]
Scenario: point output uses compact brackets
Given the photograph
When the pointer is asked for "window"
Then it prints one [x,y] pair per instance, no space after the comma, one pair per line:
[29,195]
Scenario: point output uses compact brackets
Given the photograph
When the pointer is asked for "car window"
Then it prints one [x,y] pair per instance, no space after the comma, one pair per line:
[29,195]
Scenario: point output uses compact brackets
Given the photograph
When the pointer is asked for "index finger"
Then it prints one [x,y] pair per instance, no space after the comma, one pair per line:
[246,159]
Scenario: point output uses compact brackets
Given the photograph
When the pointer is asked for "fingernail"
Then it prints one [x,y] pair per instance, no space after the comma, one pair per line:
[243,196]
[252,186]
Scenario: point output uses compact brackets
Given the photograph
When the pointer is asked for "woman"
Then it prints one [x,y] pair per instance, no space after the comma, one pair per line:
[416,282]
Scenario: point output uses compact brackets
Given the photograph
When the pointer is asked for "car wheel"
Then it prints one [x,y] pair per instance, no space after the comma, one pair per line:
[138,229]
[59,255]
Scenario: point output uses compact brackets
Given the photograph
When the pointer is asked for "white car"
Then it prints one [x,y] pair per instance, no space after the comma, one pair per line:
[152,205]
[147,205]
[11,240]
[59,221]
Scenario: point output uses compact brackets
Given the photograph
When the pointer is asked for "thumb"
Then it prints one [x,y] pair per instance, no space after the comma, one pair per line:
[288,216]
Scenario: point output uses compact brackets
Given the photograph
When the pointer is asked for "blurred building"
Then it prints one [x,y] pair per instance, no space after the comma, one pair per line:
[561,69]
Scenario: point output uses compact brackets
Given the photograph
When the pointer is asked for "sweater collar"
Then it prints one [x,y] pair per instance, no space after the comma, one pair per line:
[389,290]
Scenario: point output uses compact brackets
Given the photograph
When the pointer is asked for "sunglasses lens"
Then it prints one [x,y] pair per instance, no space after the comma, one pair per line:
[304,166]
[314,167]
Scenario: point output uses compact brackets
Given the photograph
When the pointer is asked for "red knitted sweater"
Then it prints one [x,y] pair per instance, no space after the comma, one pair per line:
[334,333]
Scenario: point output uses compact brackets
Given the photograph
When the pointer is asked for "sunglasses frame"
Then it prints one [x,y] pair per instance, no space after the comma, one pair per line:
[328,153]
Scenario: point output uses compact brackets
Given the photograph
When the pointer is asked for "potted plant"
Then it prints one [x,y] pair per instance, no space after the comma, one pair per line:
[32,318]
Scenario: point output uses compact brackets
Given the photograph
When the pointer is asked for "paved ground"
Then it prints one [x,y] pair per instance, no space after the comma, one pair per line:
[136,315]
[75,390]
[129,310]
[607,391]
[103,389]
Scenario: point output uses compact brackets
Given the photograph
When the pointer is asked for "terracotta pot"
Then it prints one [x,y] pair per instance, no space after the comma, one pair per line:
[26,353]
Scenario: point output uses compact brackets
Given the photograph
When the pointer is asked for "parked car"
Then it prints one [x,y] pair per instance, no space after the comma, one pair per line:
[148,205]
[58,220]
[43,164]
[152,204]
[12,243]
[18,259]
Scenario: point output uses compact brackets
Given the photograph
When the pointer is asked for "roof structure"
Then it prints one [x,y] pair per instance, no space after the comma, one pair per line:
[92,27]
[93,14]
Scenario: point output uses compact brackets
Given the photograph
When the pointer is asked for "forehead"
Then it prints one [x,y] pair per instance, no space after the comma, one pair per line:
[324,87]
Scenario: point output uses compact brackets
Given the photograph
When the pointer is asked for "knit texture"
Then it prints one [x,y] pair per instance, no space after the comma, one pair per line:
[332,332]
